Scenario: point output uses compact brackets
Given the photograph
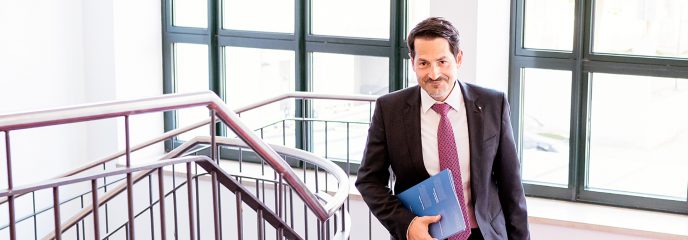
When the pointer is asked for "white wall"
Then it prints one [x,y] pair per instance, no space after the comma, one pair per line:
[62,53]
[56,54]
[42,66]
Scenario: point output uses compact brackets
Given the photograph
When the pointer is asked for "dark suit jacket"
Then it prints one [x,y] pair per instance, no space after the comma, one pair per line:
[394,141]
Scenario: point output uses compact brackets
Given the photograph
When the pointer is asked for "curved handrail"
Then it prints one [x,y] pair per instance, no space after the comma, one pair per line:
[205,162]
[164,136]
[175,132]
[302,155]
[332,203]
[108,173]
[104,110]
[307,95]
[96,111]
[343,179]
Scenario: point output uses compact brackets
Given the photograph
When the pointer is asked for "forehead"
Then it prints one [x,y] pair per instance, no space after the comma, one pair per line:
[432,47]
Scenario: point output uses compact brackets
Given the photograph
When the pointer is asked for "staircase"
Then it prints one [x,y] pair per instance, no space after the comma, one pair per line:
[189,193]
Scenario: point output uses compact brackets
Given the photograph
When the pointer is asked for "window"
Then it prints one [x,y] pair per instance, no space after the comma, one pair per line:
[645,133]
[190,64]
[241,15]
[334,18]
[245,57]
[345,74]
[546,130]
[189,13]
[598,91]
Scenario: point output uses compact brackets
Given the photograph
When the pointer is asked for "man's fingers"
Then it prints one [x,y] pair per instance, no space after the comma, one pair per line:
[429,219]
[418,230]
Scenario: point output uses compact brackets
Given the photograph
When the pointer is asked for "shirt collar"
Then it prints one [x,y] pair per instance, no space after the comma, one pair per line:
[455,99]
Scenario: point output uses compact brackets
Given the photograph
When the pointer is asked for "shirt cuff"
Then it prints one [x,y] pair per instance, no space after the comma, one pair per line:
[409,226]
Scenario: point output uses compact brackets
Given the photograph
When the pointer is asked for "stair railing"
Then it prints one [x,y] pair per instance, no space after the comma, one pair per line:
[89,112]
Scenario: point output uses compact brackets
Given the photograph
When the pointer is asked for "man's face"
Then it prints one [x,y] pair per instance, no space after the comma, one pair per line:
[435,66]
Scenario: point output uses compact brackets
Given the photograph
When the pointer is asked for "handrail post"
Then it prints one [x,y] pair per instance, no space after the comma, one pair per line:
[280,197]
[240,219]
[96,215]
[56,213]
[130,184]
[260,224]
[215,157]
[10,198]
[161,202]
[190,201]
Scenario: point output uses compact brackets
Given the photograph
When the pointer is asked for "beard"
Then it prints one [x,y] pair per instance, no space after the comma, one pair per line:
[440,92]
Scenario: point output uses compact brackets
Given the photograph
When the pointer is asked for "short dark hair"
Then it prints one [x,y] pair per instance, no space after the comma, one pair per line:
[431,28]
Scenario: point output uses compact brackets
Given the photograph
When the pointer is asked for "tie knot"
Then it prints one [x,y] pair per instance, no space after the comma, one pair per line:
[441,108]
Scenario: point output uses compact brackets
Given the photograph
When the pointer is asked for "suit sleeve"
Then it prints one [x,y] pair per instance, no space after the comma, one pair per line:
[373,178]
[508,173]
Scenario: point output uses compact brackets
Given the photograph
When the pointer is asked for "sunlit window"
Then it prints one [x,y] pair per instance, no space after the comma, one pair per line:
[334,18]
[545,138]
[548,24]
[191,75]
[603,120]
[190,13]
[641,27]
[345,74]
[241,15]
[256,74]
[639,135]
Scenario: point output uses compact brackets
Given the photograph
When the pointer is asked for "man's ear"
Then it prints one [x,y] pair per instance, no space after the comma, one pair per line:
[459,58]
[412,60]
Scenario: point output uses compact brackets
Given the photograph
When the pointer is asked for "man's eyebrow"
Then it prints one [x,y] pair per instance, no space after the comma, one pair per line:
[438,59]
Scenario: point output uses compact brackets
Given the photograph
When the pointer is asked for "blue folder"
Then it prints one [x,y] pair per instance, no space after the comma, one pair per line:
[436,196]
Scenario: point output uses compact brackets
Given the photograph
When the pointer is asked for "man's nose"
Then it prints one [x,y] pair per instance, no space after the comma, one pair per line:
[434,72]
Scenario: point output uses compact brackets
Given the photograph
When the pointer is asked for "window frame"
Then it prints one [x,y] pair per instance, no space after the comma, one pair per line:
[581,61]
[301,41]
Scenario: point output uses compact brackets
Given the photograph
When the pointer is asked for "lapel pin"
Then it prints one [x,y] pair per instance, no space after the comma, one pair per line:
[480,108]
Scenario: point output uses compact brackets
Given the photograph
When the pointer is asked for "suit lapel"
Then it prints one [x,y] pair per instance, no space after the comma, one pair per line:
[474,116]
[411,118]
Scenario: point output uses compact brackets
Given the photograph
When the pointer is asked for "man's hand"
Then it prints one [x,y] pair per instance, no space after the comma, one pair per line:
[418,230]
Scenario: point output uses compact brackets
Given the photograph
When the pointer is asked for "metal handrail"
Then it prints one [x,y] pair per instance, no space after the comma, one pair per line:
[302,155]
[205,162]
[175,132]
[89,112]
[164,136]
[308,95]
[108,173]
[332,203]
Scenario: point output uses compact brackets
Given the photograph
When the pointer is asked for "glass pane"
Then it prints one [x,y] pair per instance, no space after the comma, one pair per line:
[241,15]
[334,18]
[641,27]
[345,74]
[191,75]
[411,79]
[253,75]
[638,135]
[418,10]
[190,13]
[546,126]
[548,24]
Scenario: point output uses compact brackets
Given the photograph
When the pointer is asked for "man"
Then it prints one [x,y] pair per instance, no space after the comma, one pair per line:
[444,123]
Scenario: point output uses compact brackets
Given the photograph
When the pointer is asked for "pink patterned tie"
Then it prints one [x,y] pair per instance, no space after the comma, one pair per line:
[449,158]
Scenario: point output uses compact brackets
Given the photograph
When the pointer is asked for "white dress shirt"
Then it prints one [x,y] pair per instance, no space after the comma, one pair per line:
[429,122]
